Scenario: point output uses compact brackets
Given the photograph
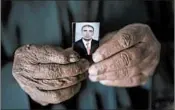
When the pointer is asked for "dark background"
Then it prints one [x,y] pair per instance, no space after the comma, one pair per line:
[161,21]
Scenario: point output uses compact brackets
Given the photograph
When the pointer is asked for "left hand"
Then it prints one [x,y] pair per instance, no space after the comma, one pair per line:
[126,58]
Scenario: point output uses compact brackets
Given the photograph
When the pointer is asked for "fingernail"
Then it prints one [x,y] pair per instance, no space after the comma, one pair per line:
[73,58]
[72,55]
[104,81]
[93,78]
[97,57]
[143,83]
[93,70]
[28,46]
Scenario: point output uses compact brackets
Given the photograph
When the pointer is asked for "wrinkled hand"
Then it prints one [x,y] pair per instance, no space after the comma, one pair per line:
[48,74]
[126,58]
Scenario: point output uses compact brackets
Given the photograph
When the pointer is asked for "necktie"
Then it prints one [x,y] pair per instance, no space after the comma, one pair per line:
[88,48]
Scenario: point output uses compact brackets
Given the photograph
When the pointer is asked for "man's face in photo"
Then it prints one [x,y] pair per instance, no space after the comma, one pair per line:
[87,32]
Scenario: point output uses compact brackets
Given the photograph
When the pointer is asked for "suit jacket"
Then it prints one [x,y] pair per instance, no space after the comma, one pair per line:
[81,49]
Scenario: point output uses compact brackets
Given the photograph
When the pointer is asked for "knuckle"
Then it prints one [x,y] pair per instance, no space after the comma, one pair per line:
[123,73]
[17,66]
[125,39]
[112,66]
[146,26]
[23,48]
[19,51]
[51,68]
[22,53]
[28,46]
[125,58]
[55,97]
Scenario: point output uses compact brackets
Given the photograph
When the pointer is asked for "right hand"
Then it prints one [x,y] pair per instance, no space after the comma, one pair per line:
[48,74]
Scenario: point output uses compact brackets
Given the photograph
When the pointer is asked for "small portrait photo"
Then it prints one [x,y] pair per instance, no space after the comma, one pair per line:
[85,37]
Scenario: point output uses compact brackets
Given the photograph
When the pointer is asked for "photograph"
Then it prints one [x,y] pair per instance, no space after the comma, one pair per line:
[85,37]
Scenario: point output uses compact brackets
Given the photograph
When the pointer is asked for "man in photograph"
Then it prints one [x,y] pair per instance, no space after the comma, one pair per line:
[86,45]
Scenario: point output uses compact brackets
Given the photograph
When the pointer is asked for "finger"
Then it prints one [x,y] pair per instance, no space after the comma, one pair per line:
[53,71]
[126,58]
[53,84]
[146,67]
[56,96]
[131,82]
[125,38]
[71,54]
[121,74]
[53,96]
[46,54]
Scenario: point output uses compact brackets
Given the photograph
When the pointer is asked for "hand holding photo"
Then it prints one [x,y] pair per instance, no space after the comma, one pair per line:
[85,37]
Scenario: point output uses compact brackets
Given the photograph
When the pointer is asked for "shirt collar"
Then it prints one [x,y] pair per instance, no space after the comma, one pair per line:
[87,41]
[84,42]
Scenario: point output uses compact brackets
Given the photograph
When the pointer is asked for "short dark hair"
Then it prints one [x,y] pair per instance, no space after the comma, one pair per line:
[87,26]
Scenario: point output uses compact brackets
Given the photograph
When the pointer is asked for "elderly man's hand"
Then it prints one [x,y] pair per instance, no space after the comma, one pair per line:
[48,74]
[126,58]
